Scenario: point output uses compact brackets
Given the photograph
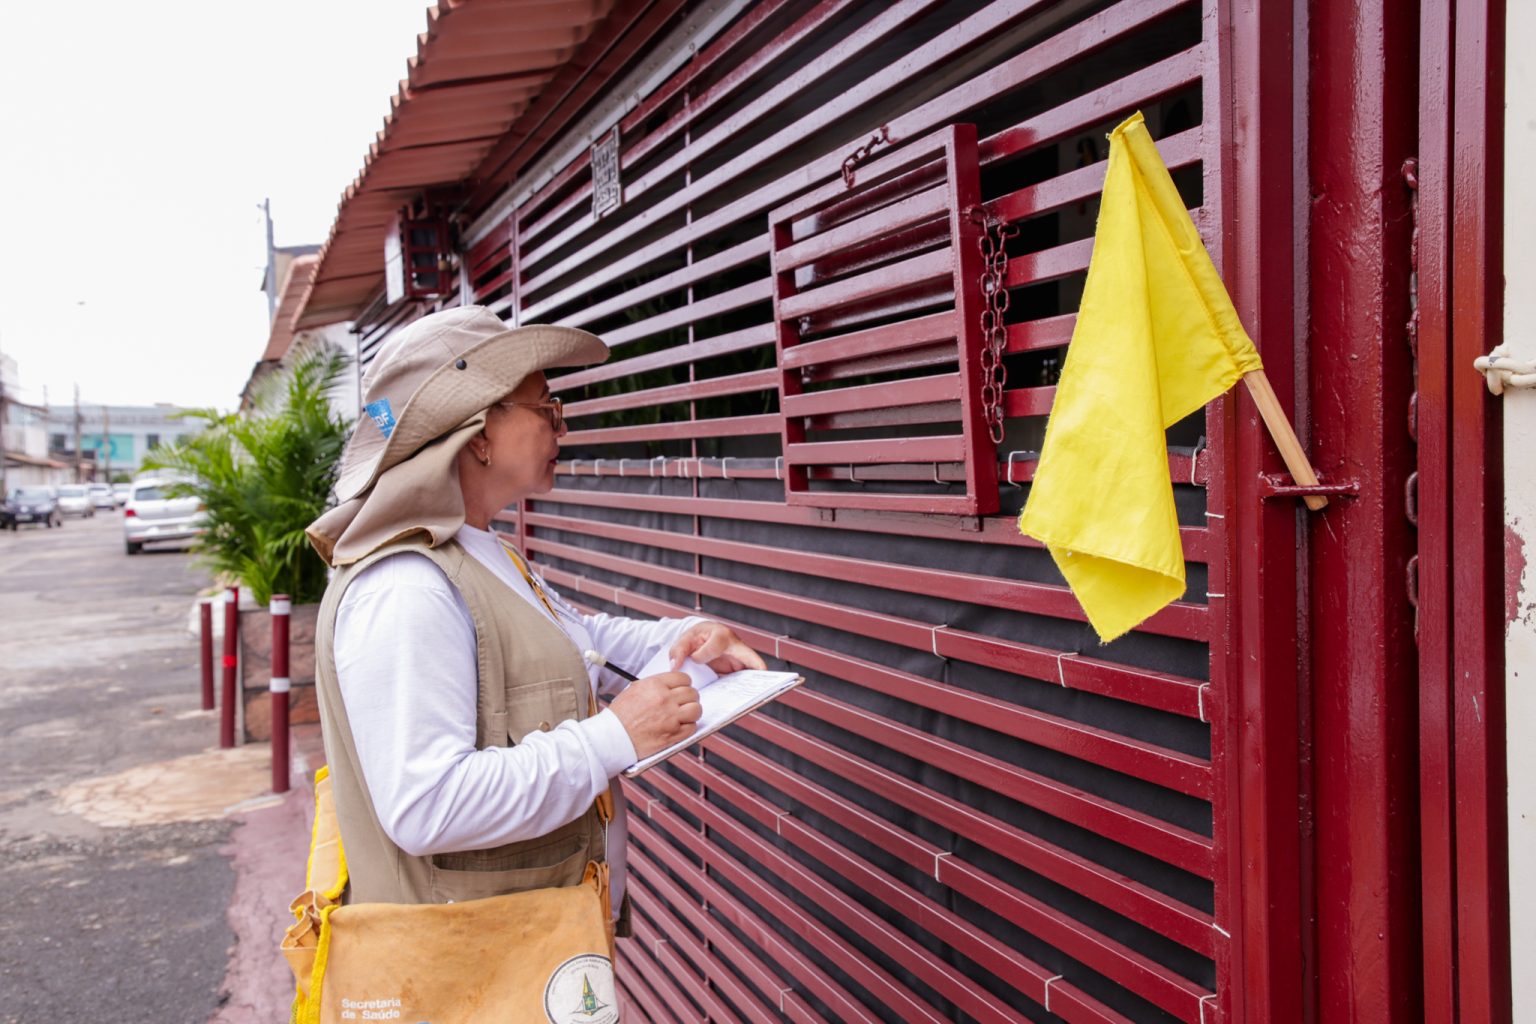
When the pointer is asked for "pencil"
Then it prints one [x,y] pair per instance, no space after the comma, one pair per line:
[602,662]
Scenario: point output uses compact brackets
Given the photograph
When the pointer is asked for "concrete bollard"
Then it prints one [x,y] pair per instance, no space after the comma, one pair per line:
[231,638]
[281,607]
[205,622]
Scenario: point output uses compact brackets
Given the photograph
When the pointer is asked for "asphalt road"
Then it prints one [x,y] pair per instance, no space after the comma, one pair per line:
[98,675]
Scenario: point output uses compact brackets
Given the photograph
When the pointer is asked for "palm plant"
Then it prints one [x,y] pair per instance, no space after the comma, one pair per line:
[265,476]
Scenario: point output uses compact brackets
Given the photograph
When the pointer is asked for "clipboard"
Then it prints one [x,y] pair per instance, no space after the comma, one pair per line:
[724,700]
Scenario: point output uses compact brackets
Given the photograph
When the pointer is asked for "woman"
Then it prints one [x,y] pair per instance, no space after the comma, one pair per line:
[468,757]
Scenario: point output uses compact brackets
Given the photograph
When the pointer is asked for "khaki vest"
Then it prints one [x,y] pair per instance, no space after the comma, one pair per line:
[531,677]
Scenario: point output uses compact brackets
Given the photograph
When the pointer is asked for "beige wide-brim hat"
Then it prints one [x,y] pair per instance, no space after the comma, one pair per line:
[424,397]
[435,373]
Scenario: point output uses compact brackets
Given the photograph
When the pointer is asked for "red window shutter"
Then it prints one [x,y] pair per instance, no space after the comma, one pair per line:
[877,308]
[417,259]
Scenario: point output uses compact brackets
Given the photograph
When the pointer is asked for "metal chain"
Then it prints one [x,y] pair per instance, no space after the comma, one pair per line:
[862,153]
[994,329]
[1410,172]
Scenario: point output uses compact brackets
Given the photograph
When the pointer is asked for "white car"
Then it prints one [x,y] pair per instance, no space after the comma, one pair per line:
[101,497]
[75,500]
[153,515]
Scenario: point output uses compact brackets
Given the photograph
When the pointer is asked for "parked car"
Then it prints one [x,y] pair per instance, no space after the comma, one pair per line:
[75,500]
[120,493]
[31,505]
[101,497]
[153,515]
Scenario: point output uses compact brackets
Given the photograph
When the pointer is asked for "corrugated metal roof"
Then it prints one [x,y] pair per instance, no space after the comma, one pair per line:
[477,67]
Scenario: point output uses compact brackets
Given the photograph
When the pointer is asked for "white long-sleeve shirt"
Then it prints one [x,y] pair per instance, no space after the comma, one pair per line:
[406,662]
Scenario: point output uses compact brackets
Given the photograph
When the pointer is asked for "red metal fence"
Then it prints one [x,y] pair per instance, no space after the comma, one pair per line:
[972,811]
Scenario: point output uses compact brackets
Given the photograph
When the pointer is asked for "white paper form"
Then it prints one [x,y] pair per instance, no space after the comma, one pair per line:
[722,698]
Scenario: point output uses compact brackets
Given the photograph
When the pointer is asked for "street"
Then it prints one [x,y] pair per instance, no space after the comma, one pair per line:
[118,845]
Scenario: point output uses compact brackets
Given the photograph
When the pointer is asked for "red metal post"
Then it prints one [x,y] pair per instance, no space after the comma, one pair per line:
[1258,716]
[205,628]
[1477,536]
[1362,128]
[1464,870]
[281,607]
[231,638]
[1431,496]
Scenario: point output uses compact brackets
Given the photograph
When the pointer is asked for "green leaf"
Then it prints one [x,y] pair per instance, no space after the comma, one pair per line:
[264,476]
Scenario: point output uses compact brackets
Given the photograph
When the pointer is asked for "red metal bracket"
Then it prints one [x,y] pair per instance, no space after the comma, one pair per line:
[1277,485]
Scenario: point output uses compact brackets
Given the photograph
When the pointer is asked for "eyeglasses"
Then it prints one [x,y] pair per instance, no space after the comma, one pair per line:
[552,411]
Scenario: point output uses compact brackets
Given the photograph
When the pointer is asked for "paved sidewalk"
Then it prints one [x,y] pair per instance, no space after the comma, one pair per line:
[268,850]
[147,872]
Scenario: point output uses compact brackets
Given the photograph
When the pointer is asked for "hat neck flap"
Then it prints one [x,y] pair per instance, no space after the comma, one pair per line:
[418,495]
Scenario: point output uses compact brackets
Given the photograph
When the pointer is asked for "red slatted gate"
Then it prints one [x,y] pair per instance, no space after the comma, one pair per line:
[973,811]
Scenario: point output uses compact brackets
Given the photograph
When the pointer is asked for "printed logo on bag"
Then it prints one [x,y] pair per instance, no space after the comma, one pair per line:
[383,416]
[581,991]
[371,1009]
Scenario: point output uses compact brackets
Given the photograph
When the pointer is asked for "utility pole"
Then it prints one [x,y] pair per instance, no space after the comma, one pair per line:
[77,434]
[271,279]
[106,443]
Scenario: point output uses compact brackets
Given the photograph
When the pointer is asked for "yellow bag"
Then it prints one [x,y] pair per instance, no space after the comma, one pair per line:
[546,954]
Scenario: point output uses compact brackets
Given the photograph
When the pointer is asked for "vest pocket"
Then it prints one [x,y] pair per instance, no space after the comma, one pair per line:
[478,874]
[539,706]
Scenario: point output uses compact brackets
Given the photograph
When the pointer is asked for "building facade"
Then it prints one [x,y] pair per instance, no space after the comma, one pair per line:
[24,459]
[113,439]
[1283,798]
[292,269]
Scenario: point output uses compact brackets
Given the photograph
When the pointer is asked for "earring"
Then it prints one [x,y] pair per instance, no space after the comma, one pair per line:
[485,456]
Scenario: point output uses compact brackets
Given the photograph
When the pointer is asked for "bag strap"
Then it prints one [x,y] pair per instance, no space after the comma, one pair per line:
[326,874]
[604,801]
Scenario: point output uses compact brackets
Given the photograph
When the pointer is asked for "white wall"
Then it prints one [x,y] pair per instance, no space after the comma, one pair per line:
[36,476]
[1520,499]
[346,396]
[28,439]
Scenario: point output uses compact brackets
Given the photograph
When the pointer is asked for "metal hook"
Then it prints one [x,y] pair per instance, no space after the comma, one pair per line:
[1061,673]
[1048,983]
[1011,481]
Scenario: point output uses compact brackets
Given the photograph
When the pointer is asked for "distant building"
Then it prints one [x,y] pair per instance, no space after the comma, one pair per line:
[113,438]
[23,437]
[290,270]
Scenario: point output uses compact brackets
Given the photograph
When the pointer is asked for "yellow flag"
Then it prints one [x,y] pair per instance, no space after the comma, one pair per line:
[1156,338]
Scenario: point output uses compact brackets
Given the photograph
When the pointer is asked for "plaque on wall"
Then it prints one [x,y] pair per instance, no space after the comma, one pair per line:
[607,193]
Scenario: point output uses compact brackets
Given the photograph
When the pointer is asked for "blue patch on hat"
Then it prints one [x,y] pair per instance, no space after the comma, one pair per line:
[383,416]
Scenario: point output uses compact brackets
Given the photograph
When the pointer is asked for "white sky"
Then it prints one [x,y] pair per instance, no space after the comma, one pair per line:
[136,145]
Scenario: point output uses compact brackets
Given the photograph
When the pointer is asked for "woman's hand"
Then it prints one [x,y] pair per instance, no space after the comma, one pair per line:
[657,711]
[712,644]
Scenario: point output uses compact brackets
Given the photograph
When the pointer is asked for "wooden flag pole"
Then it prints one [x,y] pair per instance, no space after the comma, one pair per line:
[1285,437]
